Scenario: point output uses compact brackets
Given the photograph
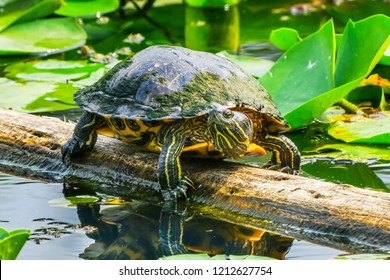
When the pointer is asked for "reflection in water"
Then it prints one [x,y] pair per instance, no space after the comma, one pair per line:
[138,230]
[212,29]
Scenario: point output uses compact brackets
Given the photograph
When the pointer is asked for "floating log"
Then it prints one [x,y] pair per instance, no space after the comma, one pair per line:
[336,215]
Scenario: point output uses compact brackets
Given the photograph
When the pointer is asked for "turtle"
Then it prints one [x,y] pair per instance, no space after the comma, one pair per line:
[180,102]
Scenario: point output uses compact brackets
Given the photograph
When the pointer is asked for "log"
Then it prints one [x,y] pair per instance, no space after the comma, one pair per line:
[335,215]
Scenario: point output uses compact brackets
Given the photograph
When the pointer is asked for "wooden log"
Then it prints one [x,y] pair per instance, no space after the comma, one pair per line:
[337,215]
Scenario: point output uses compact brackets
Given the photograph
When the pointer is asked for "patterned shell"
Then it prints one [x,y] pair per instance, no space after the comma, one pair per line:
[165,82]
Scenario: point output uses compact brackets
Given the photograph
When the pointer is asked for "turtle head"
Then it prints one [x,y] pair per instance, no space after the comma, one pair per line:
[231,132]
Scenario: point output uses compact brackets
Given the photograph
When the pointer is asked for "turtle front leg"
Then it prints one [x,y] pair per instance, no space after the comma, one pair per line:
[285,157]
[173,184]
[84,136]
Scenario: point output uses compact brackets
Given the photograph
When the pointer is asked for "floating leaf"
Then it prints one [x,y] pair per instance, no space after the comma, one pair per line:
[364,130]
[254,66]
[36,96]
[46,36]
[18,95]
[358,153]
[77,8]
[51,70]
[59,99]
[358,174]
[73,200]
[12,242]
[26,10]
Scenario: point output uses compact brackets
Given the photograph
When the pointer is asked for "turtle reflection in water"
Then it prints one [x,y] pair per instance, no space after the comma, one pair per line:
[175,101]
[132,232]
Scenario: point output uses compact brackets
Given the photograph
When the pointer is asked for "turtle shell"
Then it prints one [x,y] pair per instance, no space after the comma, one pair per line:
[167,82]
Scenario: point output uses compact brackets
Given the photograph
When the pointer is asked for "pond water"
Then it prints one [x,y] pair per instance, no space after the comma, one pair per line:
[63,231]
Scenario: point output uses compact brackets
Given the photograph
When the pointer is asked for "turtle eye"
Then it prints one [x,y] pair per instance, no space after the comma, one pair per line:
[227,114]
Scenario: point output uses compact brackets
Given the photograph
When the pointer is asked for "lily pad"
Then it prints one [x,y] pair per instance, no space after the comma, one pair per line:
[357,174]
[26,10]
[364,130]
[353,152]
[51,70]
[45,36]
[36,96]
[77,8]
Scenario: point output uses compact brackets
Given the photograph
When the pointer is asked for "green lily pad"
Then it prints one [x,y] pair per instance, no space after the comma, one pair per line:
[45,36]
[16,95]
[12,242]
[363,130]
[254,66]
[353,152]
[79,8]
[59,99]
[357,174]
[51,70]
[26,10]
[36,96]
[73,201]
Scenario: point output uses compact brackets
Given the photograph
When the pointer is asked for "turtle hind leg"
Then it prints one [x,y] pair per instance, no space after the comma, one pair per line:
[84,136]
[285,157]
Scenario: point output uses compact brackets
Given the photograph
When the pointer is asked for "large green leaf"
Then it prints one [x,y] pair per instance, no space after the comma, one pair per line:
[12,242]
[78,8]
[362,46]
[26,10]
[301,81]
[46,36]
[303,72]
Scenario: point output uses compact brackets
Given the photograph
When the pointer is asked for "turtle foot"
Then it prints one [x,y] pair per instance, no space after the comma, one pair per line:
[180,191]
[73,146]
[281,168]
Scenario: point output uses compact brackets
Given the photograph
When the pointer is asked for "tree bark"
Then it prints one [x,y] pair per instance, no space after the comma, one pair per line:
[337,215]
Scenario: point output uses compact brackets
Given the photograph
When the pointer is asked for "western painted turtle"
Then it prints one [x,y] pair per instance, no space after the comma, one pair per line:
[176,101]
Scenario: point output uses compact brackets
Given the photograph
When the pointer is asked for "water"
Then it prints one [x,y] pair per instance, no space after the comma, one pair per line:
[60,231]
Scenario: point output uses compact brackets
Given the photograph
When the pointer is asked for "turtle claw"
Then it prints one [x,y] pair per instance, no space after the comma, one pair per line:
[281,168]
[73,146]
[180,191]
